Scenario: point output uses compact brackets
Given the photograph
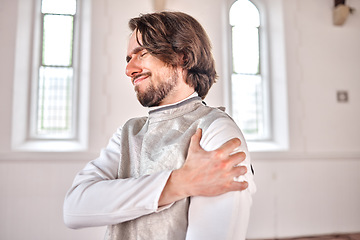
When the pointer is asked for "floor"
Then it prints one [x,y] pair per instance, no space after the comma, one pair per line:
[350,236]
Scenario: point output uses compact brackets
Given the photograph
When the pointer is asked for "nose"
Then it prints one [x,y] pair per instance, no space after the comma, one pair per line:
[133,67]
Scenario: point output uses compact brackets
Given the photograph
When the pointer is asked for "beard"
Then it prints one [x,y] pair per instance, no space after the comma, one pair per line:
[154,95]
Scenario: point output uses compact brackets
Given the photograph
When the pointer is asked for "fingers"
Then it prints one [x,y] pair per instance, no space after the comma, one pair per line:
[228,147]
[239,186]
[232,160]
[195,140]
[237,158]
[240,170]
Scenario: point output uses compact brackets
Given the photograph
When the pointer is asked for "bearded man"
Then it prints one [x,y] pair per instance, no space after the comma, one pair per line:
[182,171]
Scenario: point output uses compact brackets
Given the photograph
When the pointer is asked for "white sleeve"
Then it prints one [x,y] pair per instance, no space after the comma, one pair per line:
[98,198]
[225,216]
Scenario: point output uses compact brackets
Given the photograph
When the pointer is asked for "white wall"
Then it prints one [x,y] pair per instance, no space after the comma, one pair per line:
[313,188]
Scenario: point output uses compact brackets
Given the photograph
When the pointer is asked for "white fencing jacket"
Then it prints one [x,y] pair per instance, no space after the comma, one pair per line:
[121,188]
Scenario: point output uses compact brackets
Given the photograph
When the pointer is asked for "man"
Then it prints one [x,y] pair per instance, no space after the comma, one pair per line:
[180,172]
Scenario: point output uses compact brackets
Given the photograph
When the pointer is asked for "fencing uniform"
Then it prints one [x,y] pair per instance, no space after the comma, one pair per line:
[122,187]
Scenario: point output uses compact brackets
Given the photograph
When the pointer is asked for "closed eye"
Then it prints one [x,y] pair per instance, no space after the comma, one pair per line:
[138,50]
[144,53]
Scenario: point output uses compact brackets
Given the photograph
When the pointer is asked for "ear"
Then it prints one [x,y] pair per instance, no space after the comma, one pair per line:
[181,59]
[186,61]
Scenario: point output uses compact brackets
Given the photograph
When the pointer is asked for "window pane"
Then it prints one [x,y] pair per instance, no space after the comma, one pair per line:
[245,50]
[247,105]
[244,12]
[59,6]
[55,101]
[57,40]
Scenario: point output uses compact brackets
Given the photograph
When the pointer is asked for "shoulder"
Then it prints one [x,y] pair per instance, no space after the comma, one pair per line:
[219,129]
[134,123]
[136,120]
[209,111]
[215,115]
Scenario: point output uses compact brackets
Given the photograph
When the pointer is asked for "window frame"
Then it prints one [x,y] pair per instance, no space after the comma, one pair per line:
[27,60]
[261,73]
[273,71]
[38,63]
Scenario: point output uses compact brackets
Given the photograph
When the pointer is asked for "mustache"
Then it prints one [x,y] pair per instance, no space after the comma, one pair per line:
[141,75]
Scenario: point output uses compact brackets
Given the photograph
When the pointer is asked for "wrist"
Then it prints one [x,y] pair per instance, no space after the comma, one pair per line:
[174,190]
[179,180]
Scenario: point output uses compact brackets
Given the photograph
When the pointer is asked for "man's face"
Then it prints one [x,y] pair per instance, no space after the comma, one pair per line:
[153,80]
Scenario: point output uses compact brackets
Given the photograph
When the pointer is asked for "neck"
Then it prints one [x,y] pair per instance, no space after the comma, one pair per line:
[177,95]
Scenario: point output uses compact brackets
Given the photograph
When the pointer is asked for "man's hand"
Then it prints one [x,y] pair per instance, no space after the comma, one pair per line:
[206,173]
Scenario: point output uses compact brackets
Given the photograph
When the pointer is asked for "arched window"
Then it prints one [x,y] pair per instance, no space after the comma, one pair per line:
[248,86]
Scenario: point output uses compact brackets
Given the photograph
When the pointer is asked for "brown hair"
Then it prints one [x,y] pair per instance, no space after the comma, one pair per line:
[168,35]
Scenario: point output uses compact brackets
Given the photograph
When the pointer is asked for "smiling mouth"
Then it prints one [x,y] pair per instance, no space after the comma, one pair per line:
[140,77]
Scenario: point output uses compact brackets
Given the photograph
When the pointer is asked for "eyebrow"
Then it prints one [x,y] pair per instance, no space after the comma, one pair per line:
[134,51]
